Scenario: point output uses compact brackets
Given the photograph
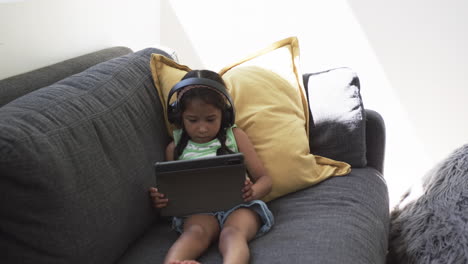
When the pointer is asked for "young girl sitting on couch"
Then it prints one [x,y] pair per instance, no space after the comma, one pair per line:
[205,116]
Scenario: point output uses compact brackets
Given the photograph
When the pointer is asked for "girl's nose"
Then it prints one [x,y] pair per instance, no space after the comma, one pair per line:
[202,129]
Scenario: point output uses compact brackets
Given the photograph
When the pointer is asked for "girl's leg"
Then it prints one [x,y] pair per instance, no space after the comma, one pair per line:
[185,262]
[199,231]
[240,227]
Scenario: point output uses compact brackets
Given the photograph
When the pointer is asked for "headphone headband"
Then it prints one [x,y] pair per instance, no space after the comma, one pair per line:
[198,81]
[201,81]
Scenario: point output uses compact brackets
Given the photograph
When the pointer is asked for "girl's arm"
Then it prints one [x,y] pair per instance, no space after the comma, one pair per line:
[170,151]
[158,198]
[261,180]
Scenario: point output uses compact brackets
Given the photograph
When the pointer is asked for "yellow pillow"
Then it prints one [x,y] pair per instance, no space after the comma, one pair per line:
[271,107]
[166,73]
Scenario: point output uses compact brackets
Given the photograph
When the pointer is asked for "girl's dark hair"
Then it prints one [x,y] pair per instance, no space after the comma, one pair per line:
[210,97]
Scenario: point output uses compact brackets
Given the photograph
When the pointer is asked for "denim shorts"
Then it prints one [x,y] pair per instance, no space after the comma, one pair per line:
[257,205]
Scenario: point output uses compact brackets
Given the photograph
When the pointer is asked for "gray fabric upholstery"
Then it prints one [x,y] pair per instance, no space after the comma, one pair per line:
[341,220]
[375,140]
[337,127]
[76,163]
[18,85]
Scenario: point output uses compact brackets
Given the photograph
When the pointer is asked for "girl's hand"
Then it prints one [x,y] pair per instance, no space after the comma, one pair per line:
[262,183]
[157,198]
[248,193]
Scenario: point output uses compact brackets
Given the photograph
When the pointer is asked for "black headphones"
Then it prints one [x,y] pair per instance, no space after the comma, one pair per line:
[173,110]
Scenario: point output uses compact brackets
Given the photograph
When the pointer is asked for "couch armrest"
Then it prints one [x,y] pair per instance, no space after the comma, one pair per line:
[375,140]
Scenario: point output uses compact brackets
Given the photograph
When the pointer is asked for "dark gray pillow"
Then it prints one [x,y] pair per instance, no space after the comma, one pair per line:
[337,127]
[76,162]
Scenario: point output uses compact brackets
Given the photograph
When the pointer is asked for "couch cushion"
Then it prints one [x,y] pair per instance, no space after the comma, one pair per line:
[76,163]
[340,220]
[339,127]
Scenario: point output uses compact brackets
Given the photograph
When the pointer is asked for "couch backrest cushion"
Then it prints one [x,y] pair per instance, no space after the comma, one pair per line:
[21,84]
[76,161]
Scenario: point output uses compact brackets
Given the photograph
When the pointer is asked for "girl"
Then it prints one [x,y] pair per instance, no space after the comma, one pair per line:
[206,123]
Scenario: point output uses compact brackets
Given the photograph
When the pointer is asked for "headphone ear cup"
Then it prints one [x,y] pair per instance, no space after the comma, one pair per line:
[173,113]
[229,117]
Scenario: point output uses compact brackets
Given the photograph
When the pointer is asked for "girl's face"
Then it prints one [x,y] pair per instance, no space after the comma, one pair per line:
[202,121]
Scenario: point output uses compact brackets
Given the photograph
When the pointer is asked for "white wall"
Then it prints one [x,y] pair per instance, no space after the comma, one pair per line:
[36,33]
[411,57]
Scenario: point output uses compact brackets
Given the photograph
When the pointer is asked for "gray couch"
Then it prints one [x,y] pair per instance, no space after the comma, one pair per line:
[77,147]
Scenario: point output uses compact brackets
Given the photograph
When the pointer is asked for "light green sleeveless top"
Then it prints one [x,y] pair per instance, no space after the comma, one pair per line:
[195,150]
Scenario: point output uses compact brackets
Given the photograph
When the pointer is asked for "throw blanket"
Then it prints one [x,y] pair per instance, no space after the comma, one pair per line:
[434,227]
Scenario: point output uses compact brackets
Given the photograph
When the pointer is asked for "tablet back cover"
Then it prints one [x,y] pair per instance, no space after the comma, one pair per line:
[201,185]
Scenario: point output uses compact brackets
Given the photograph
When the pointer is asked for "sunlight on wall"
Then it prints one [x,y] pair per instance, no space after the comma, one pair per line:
[221,32]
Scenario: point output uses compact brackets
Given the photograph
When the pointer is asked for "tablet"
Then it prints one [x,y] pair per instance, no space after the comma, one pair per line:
[201,185]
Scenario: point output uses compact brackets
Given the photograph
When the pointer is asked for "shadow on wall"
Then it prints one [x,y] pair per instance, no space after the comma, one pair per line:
[174,36]
[420,46]
[393,35]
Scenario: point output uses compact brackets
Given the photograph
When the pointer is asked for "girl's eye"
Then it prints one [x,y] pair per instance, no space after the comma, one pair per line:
[191,120]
